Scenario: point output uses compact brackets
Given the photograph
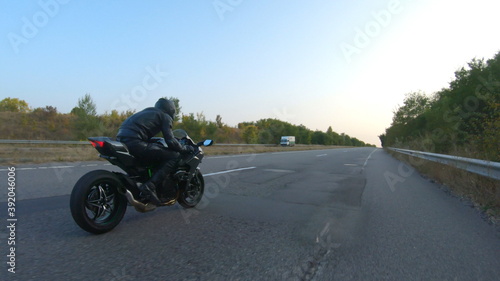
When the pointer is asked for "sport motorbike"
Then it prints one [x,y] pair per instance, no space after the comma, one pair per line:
[100,198]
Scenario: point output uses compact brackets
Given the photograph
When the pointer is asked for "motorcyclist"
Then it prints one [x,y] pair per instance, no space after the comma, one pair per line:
[136,133]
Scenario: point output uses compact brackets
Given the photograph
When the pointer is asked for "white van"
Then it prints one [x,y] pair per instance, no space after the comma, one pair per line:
[287,141]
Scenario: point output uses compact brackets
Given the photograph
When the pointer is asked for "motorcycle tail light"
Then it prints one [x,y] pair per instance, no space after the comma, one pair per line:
[97,144]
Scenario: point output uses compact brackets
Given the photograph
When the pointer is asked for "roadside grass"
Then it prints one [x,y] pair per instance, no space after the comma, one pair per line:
[250,149]
[15,154]
[483,192]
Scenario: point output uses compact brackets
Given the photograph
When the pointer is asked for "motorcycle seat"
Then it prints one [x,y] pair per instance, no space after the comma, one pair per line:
[117,146]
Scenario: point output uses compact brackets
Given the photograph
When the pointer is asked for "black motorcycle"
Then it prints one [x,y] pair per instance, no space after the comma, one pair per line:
[99,199]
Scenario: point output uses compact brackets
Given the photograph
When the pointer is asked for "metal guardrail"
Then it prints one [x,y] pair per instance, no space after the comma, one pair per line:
[87,142]
[485,168]
[41,142]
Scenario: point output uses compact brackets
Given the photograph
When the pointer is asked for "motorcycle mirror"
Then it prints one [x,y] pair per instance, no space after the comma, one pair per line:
[208,142]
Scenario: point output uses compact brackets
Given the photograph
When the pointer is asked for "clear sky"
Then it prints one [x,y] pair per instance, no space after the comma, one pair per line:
[345,64]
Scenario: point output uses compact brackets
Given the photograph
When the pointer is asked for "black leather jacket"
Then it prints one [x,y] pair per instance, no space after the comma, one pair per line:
[148,123]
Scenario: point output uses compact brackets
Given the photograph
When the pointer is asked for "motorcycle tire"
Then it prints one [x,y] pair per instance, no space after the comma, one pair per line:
[192,194]
[95,203]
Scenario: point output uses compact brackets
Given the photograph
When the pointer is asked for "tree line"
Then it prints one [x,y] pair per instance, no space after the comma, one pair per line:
[463,118]
[83,122]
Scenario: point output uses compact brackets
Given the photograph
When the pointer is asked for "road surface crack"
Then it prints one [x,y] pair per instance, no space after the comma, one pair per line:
[323,247]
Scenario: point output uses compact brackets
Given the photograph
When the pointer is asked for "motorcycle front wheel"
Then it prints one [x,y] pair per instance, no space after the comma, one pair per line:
[193,192]
[95,203]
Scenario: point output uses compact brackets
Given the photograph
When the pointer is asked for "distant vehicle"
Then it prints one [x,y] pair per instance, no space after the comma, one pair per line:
[287,141]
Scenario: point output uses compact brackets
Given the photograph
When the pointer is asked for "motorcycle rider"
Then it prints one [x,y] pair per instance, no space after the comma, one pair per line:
[136,133]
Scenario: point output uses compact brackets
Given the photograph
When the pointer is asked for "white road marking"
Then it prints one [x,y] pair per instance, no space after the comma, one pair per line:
[295,151]
[229,171]
[230,156]
[95,165]
[279,171]
[61,167]
[366,162]
[322,155]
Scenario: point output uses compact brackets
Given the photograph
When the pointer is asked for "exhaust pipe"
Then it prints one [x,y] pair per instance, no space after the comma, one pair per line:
[139,207]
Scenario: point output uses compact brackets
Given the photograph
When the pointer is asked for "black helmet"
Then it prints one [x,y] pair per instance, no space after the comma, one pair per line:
[166,106]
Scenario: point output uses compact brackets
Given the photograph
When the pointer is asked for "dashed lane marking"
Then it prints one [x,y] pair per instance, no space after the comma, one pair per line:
[228,171]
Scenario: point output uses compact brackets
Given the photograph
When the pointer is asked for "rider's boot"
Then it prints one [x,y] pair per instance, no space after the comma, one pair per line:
[149,191]
[149,188]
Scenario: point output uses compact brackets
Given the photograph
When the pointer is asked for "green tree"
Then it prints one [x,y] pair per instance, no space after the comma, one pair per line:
[265,136]
[87,122]
[382,138]
[345,139]
[86,106]
[14,105]
[457,118]
[304,135]
[197,126]
[415,104]
[318,137]
[112,121]
[271,130]
[46,111]
[218,121]
[250,134]
[330,136]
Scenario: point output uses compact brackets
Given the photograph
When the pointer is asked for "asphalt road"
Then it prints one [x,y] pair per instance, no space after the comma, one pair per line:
[344,214]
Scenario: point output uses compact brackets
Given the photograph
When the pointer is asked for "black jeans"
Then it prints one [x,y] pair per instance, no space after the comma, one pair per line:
[153,153]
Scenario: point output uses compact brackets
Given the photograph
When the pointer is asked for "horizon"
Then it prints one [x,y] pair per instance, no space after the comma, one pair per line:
[345,65]
[31,109]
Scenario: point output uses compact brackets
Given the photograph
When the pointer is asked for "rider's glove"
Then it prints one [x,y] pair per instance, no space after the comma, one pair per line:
[187,149]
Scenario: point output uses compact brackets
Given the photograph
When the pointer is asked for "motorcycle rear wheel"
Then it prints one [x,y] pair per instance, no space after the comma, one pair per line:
[192,194]
[95,203]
